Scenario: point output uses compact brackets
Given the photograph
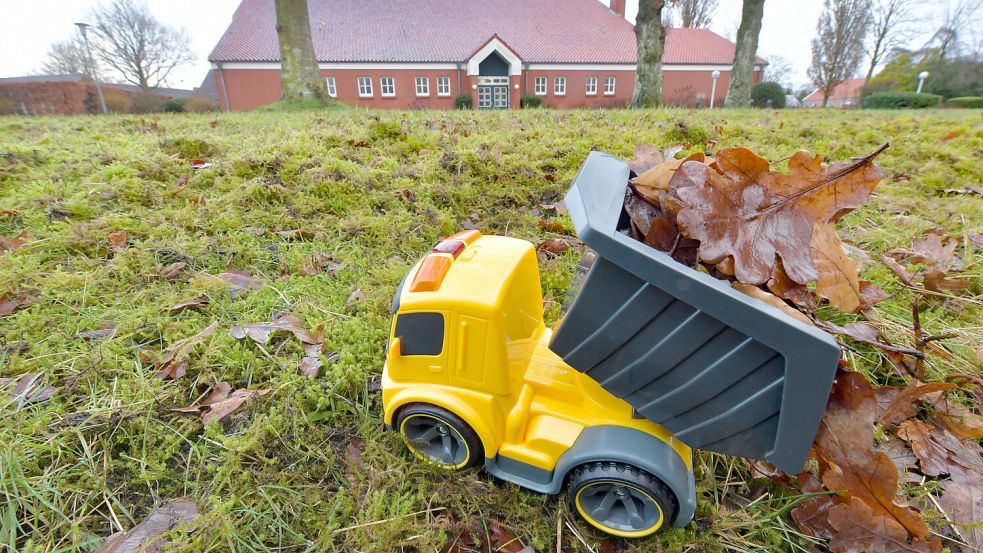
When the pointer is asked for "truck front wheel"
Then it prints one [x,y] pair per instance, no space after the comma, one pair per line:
[620,499]
[440,437]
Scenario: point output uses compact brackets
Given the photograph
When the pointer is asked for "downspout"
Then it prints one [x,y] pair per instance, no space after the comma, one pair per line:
[225,90]
[459,92]
[525,79]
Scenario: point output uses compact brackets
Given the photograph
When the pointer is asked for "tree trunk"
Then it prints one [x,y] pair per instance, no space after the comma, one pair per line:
[875,54]
[300,77]
[742,73]
[650,36]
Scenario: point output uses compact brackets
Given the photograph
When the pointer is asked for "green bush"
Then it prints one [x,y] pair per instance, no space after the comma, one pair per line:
[531,101]
[901,100]
[965,102]
[766,92]
[174,105]
[463,101]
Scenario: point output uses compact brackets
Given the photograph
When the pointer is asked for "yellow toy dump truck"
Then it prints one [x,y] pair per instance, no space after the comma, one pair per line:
[652,359]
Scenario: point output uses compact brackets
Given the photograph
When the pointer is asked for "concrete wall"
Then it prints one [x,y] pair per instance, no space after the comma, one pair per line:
[250,88]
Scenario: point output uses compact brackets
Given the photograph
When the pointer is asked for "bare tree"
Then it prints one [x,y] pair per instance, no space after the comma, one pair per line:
[778,70]
[131,41]
[300,76]
[958,20]
[695,14]
[742,72]
[889,28]
[838,48]
[67,57]
[650,36]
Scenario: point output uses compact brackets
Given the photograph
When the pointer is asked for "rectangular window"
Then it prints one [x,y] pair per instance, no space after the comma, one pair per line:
[559,86]
[591,86]
[365,87]
[420,333]
[540,86]
[609,85]
[443,86]
[423,86]
[332,89]
[388,86]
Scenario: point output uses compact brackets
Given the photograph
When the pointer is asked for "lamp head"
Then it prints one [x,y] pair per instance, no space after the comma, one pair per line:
[923,75]
[715,74]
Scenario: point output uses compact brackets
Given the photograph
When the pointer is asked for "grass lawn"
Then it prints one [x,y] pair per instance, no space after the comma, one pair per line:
[309,466]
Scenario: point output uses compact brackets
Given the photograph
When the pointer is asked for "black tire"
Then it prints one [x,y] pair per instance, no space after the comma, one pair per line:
[620,499]
[439,437]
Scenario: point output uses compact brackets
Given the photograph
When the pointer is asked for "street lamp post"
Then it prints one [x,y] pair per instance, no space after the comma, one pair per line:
[713,88]
[83,29]
[921,80]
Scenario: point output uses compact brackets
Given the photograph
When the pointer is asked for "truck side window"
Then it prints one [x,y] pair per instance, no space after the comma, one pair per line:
[420,333]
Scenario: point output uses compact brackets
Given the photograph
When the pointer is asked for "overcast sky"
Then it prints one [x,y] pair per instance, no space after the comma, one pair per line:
[27,28]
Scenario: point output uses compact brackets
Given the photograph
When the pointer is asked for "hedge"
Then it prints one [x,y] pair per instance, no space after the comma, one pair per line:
[762,93]
[463,101]
[965,102]
[531,101]
[901,100]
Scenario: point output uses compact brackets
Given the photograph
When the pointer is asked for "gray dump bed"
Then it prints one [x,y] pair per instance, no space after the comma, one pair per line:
[720,370]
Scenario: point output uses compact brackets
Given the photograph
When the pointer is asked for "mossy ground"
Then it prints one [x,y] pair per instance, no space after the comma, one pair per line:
[309,466]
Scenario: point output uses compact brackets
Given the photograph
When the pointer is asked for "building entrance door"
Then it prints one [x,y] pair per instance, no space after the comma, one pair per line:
[493,93]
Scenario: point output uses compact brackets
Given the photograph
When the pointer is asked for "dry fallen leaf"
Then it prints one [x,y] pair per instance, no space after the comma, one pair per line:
[174,364]
[260,332]
[648,156]
[838,281]
[148,536]
[355,297]
[15,243]
[737,207]
[320,262]
[9,304]
[861,529]
[28,388]
[117,240]
[225,407]
[903,404]
[844,446]
[870,295]
[194,305]
[936,281]
[310,365]
[173,270]
[898,270]
[295,234]
[105,329]
[655,180]
[553,246]
[241,282]
[770,299]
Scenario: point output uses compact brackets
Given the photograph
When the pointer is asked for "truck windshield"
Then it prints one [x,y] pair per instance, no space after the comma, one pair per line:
[420,333]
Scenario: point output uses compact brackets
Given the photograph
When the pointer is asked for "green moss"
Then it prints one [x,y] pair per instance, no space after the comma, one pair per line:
[281,474]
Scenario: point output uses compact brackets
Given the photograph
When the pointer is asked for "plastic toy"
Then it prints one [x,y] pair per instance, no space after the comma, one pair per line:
[651,359]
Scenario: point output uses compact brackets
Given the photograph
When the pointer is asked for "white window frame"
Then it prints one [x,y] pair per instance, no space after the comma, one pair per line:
[540,90]
[443,86]
[422,91]
[559,86]
[613,81]
[592,86]
[392,87]
[365,87]
[332,86]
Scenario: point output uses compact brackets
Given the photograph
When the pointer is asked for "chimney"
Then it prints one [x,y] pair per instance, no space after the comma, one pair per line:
[618,7]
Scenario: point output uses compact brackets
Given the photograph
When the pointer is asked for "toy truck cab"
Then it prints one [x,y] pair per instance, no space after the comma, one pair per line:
[469,379]
[651,358]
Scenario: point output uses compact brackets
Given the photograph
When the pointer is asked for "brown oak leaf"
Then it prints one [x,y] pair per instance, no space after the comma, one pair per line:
[737,207]
[861,529]
[149,535]
[838,281]
[260,332]
[117,240]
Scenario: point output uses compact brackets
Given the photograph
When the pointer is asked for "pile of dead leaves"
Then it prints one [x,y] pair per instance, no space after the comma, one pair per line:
[747,223]
[924,435]
[773,236]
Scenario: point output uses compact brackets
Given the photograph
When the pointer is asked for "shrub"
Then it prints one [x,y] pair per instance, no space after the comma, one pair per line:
[174,105]
[200,105]
[530,101]
[463,101]
[901,100]
[766,92]
[965,102]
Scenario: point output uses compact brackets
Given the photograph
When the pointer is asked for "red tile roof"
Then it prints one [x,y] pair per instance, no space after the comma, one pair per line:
[540,31]
[847,90]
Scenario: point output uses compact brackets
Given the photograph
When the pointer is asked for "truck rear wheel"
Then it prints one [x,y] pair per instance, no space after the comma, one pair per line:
[620,499]
[439,437]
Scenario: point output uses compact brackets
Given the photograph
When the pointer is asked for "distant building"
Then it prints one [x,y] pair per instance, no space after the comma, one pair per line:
[74,95]
[422,53]
[845,95]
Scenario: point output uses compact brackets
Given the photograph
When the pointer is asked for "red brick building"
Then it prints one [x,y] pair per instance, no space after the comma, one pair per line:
[407,54]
